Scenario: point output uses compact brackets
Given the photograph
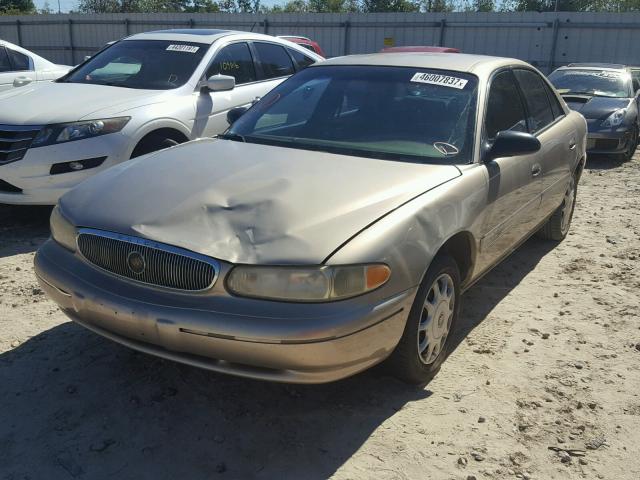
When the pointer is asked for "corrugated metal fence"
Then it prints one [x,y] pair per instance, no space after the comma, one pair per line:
[544,39]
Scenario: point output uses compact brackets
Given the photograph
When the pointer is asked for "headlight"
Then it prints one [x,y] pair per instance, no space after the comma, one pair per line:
[615,118]
[306,284]
[68,132]
[62,230]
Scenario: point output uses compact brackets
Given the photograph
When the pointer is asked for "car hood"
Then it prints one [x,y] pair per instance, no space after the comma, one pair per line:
[50,102]
[595,107]
[248,203]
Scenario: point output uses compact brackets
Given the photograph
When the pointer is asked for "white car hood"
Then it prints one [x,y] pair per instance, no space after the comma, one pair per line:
[248,203]
[46,103]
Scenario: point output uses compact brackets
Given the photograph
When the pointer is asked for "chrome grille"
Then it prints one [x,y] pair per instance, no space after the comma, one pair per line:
[15,141]
[164,265]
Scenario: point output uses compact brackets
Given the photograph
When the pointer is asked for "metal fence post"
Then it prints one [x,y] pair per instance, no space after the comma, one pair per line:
[127,26]
[443,25]
[71,46]
[19,30]
[192,23]
[554,44]
[347,28]
[266,26]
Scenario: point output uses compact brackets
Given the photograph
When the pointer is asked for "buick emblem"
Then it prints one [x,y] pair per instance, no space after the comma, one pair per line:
[136,263]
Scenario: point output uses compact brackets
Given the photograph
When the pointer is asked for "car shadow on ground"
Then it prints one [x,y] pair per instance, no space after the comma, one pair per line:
[483,297]
[74,405]
[603,162]
[22,229]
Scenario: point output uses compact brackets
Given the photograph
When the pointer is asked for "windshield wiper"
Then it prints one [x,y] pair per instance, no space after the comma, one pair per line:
[236,137]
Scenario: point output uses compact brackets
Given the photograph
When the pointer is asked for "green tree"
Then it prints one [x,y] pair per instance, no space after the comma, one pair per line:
[13,7]
[374,6]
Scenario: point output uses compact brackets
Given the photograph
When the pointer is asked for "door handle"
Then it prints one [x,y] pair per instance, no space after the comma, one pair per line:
[536,170]
[22,81]
[572,145]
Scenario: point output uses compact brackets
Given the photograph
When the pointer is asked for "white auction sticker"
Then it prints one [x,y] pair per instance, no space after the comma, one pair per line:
[183,48]
[442,80]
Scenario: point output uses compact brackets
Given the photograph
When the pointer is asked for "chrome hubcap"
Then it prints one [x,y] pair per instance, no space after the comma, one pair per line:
[567,206]
[435,322]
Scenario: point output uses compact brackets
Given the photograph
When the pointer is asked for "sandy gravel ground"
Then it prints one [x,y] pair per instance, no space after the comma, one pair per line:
[543,384]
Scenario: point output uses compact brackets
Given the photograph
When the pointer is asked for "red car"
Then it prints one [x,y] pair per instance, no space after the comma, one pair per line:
[304,42]
[419,49]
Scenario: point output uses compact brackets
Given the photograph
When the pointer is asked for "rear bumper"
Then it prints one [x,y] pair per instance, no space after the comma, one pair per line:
[194,336]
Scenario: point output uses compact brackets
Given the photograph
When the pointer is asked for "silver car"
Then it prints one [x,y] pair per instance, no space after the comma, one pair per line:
[335,225]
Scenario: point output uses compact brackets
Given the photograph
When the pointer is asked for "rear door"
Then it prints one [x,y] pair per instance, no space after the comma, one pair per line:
[557,135]
[514,187]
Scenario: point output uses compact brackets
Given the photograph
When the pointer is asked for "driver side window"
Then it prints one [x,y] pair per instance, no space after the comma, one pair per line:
[505,110]
[236,61]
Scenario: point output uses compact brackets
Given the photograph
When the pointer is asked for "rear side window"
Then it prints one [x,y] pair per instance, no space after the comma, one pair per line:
[536,98]
[5,65]
[20,62]
[236,61]
[300,59]
[505,110]
[274,59]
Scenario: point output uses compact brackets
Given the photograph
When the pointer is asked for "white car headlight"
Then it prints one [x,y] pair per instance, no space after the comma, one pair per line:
[68,132]
[306,284]
[62,230]
[615,119]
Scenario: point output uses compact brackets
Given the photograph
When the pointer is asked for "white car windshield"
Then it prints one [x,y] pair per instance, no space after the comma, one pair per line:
[141,64]
[398,113]
[600,83]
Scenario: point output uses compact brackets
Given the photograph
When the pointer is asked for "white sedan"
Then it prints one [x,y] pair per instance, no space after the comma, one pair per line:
[141,94]
[20,67]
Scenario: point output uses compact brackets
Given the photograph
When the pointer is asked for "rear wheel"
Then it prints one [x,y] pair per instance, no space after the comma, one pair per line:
[427,334]
[557,227]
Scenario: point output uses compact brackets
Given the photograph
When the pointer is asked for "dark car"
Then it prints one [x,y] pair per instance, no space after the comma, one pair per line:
[607,96]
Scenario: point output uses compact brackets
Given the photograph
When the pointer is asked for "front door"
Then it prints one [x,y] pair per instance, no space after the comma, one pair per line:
[514,186]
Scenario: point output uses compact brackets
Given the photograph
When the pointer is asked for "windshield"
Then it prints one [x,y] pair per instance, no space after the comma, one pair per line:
[601,83]
[141,64]
[397,113]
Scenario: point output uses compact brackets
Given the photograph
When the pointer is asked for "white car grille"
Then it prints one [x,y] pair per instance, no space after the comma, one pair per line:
[15,141]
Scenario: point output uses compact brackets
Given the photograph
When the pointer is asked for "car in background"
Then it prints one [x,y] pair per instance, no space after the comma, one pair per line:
[335,225]
[424,49]
[141,94]
[305,42]
[20,67]
[607,96]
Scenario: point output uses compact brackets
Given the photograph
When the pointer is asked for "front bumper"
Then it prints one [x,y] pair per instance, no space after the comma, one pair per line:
[31,182]
[297,343]
[608,142]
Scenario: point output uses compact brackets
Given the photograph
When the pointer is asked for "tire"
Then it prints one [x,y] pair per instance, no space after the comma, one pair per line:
[631,148]
[557,227]
[411,361]
[152,143]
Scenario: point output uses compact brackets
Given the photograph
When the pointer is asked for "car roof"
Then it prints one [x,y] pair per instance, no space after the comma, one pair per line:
[419,48]
[196,35]
[608,66]
[462,62]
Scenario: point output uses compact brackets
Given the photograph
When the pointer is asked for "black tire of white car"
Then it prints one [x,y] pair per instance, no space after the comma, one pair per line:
[556,228]
[153,143]
[407,362]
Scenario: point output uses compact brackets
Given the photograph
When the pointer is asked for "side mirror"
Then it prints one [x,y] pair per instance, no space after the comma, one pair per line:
[509,143]
[235,113]
[22,81]
[220,83]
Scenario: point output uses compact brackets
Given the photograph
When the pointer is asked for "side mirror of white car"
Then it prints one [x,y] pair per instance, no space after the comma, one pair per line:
[22,81]
[221,83]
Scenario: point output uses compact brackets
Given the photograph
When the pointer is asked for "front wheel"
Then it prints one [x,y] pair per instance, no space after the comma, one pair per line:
[631,147]
[427,334]
[557,227]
